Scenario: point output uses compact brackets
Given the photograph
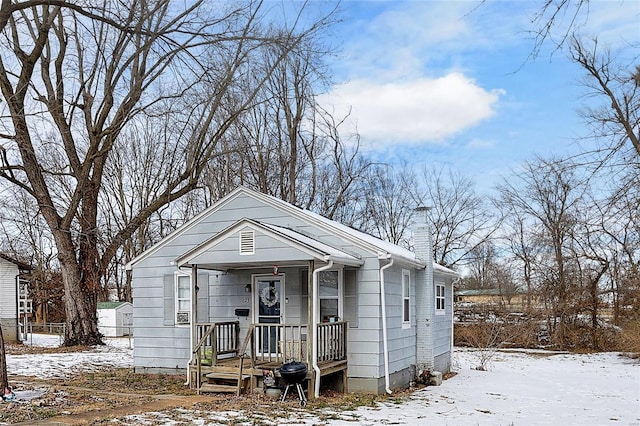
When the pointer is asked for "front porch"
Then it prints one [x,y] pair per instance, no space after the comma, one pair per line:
[221,363]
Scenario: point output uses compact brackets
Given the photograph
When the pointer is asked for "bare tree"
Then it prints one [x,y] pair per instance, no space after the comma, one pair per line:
[619,220]
[550,193]
[290,147]
[270,147]
[556,21]
[141,162]
[25,236]
[389,204]
[615,122]
[482,261]
[339,176]
[83,79]
[518,231]
[460,218]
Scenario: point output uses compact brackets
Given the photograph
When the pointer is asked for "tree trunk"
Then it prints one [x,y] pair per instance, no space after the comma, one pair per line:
[4,380]
[80,307]
[80,288]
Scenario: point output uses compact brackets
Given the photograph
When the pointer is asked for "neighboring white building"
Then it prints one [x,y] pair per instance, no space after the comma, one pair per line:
[115,319]
[11,301]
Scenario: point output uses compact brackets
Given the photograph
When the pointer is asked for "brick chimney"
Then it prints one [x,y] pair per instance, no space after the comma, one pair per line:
[424,294]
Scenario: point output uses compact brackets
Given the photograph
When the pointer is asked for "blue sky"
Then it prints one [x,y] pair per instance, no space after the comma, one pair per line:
[449,82]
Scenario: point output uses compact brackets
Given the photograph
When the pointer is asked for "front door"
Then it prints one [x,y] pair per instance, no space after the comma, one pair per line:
[268,295]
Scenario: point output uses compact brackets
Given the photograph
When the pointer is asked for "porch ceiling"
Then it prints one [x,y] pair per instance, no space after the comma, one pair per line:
[278,246]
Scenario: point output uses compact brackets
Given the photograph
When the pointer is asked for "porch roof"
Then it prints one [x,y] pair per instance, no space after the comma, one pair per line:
[281,246]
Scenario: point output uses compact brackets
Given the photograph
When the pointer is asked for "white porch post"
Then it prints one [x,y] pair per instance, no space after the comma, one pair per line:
[194,306]
[316,316]
[311,333]
[193,320]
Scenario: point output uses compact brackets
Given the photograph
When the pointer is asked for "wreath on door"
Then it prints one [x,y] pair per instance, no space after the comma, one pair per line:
[269,296]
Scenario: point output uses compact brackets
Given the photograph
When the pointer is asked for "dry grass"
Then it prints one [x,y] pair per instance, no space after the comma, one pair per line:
[87,392]
[123,380]
[630,339]
[20,349]
[109,394]
[530,334]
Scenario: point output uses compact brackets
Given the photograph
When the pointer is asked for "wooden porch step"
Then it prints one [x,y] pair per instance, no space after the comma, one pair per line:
[226,376]
[329,367]
[223,369]
[208,387]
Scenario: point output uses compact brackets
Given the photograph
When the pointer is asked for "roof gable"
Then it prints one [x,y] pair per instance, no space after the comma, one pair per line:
[303,246]
[366,242]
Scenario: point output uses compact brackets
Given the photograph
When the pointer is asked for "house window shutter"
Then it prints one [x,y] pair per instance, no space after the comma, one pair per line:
[350,312]
[304,296]
[203,298]
[169,300]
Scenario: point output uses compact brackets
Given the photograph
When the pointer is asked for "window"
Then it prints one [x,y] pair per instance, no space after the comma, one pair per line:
[406,298]
[440,306]
[183,298]
[329,292]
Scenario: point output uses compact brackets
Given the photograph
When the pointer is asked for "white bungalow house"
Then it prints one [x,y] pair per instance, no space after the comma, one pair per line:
[14,298]
[253,282]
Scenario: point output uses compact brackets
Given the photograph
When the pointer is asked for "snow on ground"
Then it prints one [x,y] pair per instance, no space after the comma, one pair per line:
[117,352]
[523,388]
[518,388]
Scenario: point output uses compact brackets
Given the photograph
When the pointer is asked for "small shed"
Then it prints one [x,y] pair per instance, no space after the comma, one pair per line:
[115,319]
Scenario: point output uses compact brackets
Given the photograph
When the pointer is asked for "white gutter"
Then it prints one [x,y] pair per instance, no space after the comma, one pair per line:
[385,340]
[316,308]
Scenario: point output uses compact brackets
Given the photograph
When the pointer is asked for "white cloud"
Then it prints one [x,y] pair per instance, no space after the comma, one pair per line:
[416,110]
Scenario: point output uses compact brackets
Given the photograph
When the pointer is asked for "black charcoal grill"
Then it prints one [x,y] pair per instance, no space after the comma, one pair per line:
[294,373]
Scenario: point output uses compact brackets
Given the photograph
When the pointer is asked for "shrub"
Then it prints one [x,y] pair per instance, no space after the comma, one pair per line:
[630,337]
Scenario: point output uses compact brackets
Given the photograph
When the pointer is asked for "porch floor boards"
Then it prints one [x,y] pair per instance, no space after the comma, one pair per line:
[232,364]
[230,368]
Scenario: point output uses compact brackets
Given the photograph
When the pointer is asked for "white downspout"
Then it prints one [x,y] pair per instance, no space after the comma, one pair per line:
[314,342]
[385,340]
[192,325]
[453,301]
[20,337]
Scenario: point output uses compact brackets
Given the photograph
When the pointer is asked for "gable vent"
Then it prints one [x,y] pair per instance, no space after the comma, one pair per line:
[247,242]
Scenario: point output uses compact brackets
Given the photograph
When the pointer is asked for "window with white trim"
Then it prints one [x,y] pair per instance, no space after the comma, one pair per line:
[183,299]
[406,298]
[330,289]
[440,299]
